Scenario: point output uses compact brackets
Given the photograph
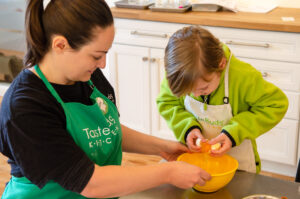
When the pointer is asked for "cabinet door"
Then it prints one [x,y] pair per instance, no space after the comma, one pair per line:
[159,125]
[284,75]
[280,143]
[130,76]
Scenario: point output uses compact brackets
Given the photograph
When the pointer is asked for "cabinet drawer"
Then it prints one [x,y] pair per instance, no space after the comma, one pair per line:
[139,37]
[269,45]
[280,143]
[142,33]
[284,75]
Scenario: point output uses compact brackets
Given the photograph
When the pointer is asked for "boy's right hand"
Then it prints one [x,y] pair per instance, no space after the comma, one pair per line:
[191,140]
[184,175]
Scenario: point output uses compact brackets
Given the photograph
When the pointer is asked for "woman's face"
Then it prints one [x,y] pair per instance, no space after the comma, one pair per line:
[79,65]
[208,85]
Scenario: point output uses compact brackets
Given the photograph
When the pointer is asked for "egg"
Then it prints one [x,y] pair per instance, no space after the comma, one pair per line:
[205,147]
[198,142]
[215,146]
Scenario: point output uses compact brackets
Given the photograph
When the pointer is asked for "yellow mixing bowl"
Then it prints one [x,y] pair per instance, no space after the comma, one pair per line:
[221,169]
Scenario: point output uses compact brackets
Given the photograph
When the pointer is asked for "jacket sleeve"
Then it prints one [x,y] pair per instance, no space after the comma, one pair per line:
[266,105]
[172,109]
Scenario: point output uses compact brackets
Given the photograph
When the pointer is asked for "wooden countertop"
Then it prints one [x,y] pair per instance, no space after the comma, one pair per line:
[12,52]
[129,159]
[267,21]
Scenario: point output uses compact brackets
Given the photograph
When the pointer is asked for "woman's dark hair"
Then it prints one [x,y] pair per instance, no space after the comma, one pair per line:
[73,19]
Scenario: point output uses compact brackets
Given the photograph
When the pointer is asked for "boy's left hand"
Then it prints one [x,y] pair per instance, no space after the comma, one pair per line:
[225,142]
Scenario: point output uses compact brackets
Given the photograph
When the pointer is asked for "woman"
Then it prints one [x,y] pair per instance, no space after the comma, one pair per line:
[59,123]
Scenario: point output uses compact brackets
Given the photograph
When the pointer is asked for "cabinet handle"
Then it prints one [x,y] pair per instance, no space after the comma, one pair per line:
[152,60]
[135,32]
[145,59]
[265,74]
[265,45]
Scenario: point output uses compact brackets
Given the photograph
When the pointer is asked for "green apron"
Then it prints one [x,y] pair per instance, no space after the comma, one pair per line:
[95,129]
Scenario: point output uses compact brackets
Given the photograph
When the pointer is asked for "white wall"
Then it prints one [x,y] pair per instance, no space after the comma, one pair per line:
[280,3]
[12,14]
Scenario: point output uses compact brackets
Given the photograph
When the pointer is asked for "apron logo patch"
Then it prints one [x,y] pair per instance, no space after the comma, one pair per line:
[111,97]
[102,104]
[213,123]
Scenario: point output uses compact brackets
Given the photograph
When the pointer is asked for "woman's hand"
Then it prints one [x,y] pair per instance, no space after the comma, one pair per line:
[184,175]
[225,142]
[191,140]
[171,150]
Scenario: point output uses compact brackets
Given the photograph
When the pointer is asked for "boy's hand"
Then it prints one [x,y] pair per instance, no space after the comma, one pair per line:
[225,142]
[191,140]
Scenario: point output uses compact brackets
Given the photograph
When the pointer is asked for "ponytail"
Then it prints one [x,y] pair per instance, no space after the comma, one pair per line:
[35,35]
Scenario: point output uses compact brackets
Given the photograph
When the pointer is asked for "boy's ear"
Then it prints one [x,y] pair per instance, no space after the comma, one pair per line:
[60,44]
[222,64]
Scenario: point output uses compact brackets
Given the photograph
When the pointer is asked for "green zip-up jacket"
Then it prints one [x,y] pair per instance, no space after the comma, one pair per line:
[257,105]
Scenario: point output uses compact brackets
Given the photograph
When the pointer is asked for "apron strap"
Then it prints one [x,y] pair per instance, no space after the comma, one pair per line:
[90,83]
[48,85]
[226,98]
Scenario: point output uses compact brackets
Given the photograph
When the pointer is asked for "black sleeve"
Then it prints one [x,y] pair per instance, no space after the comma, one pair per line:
[230,137]
[189,130]
[33,132]
[103,85]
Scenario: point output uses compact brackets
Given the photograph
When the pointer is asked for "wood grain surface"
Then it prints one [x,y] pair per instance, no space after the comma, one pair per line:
[12,52]
[266,21]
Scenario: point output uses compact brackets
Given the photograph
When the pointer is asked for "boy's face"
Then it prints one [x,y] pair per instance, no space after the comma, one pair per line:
[207,85]
[209,82]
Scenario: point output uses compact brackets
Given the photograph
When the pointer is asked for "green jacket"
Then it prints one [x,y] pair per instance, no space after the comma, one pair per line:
[257,105]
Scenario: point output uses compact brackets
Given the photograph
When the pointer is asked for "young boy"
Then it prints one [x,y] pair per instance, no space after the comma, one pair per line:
[209,94]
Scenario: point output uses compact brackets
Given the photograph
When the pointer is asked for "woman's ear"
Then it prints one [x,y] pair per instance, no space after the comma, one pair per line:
[60,44]
[222,64]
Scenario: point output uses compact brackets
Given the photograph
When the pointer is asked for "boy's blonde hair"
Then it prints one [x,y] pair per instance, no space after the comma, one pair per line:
[190,52]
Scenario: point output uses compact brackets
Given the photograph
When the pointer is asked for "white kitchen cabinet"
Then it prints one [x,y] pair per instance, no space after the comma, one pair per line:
[131,80]
[135,73]
[159,125]
[275,54]
[278,144]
